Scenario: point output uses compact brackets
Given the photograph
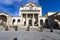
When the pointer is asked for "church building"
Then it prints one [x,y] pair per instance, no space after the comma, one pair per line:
[29,14]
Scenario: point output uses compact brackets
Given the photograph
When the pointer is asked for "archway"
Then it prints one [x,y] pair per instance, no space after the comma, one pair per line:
[36,20]
[30,22]
[41,22]
[46,21]
[46,24]
[3,19]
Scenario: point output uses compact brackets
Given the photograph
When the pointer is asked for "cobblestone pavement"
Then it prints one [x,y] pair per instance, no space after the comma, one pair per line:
[33,34]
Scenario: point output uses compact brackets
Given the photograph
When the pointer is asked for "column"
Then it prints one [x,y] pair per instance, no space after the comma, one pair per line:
[7,21]
[33,21]
[26,21]
[38,21]
[21,20]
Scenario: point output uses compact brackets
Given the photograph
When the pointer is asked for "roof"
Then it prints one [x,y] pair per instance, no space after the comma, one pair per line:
[5,13]
[30,4]
[46,14]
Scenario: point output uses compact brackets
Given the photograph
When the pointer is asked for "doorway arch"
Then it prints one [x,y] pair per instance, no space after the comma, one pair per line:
[3,19]
[41,22]
[46,23]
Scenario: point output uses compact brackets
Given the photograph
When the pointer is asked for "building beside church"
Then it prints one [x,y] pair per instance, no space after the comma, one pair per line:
[29,14]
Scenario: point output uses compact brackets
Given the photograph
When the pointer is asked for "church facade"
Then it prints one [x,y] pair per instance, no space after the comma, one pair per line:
[29,14]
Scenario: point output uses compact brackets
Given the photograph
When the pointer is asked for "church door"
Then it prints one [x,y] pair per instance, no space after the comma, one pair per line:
[30,22]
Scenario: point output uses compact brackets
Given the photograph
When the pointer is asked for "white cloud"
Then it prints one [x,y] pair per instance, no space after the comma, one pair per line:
[9,1]
[12,1]
[6,1]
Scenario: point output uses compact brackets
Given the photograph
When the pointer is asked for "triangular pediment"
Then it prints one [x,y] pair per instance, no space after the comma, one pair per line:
[30,5]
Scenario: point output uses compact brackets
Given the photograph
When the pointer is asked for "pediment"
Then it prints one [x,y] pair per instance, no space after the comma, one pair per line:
[30,5]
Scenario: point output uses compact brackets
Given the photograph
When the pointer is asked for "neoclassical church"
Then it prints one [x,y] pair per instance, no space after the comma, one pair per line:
[31,14]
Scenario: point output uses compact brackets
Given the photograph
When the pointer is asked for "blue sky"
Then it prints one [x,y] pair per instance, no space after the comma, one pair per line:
[12,6]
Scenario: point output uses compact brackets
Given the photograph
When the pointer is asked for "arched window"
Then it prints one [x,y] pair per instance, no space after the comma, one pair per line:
[13,20]
[18,20]
[41,22]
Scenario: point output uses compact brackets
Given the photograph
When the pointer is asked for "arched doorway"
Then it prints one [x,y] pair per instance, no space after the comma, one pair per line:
[46,21]
[3,19]
[41,22]
[13,21]
[36,20]
[30,21]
